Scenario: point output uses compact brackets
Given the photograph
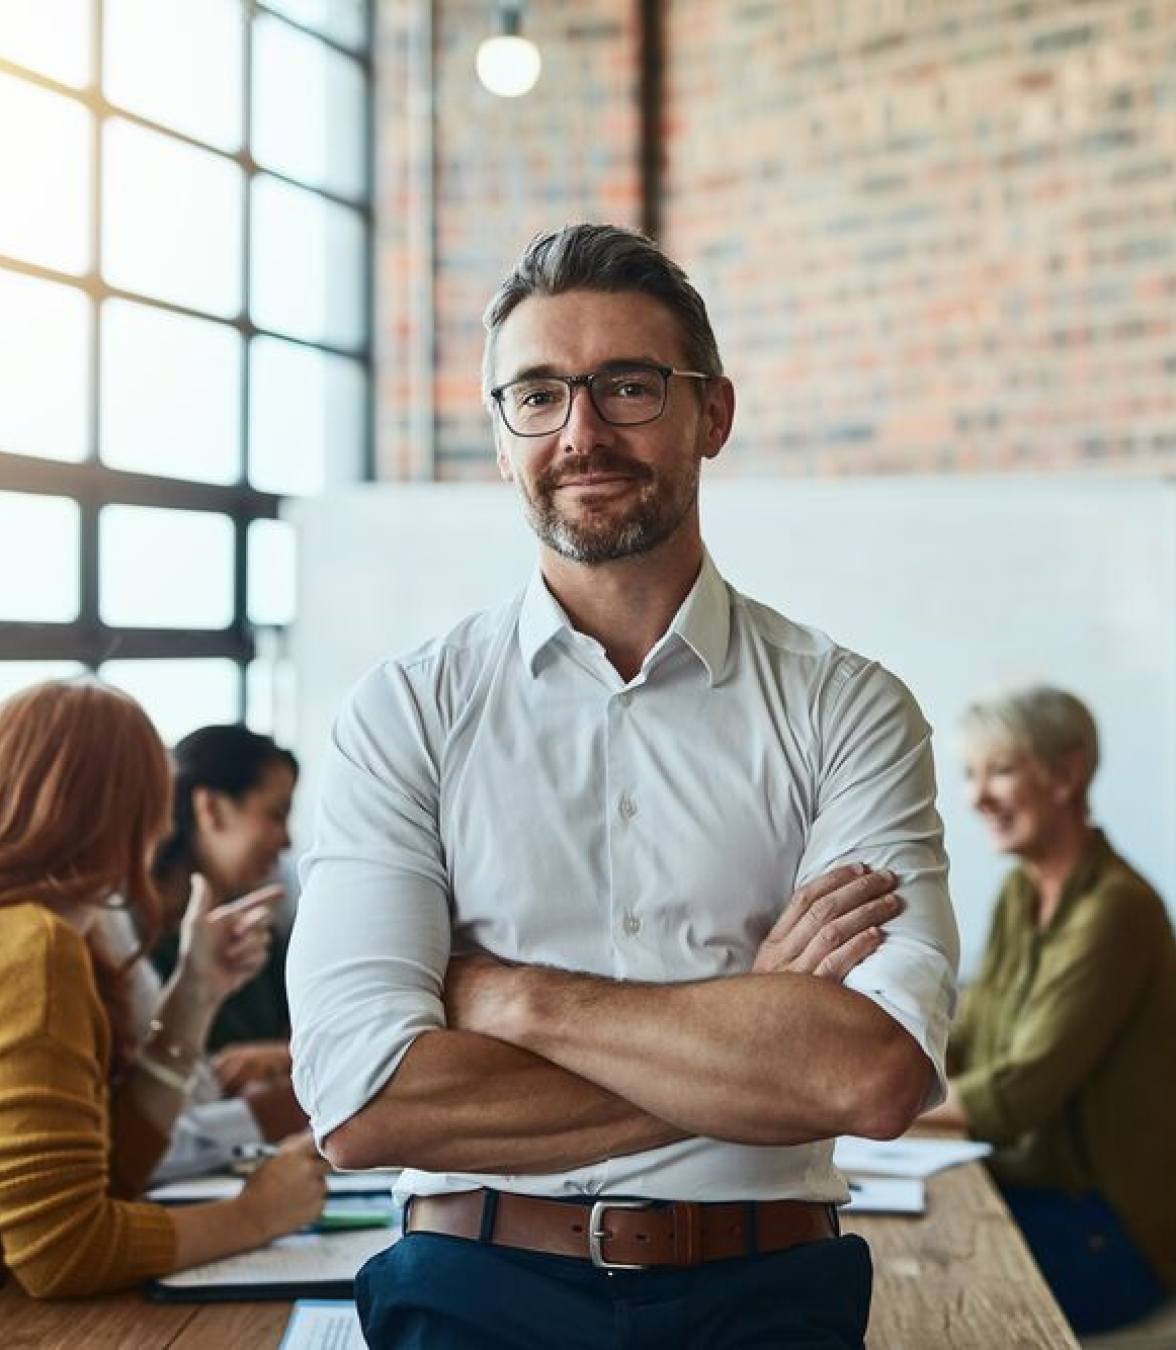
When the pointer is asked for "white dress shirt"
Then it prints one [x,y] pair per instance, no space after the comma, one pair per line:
[503,789]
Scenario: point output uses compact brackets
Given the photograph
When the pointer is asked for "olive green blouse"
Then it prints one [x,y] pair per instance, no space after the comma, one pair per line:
[1064,1052]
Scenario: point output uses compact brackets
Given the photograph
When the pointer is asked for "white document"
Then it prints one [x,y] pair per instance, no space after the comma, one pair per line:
[303,1259]
[221,1186]
[910,1156]
[885,1195]
[323,1324]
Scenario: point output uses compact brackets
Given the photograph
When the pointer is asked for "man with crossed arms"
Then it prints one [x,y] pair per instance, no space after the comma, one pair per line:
[545,958]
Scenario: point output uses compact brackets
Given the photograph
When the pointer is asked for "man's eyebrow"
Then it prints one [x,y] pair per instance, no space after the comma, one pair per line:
[545,370]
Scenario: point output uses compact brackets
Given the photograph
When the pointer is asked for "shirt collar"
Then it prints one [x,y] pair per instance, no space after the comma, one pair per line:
[703,620]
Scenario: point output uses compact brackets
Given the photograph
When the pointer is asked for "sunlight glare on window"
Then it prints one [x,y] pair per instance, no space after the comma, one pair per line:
[299,236]
[171,394]
[48,36]
[343,21]
[306,418]
[272,573]
[179,695]
[38,558]
[45,172]
[44,368]
[171,220]
[17,675]
[308,109]
[161,568]
[179,63]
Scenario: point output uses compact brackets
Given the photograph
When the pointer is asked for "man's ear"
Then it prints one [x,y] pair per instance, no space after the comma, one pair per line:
[502,455]
[718,415]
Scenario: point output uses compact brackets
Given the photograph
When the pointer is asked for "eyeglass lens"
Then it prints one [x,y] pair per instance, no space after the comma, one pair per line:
[537,405]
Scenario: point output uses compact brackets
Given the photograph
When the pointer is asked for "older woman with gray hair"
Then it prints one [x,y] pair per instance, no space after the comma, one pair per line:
[1064,1052]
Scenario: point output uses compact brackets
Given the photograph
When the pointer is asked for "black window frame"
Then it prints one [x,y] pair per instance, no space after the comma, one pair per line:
[93,485]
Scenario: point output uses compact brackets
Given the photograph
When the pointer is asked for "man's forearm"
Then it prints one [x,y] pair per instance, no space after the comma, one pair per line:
[758,1059]
[463,1102]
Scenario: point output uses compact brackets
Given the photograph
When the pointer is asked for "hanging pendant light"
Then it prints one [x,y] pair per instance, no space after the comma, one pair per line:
[508,64]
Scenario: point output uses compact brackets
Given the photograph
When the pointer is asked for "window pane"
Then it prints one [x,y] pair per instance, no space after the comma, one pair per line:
[178,62]
[45,173]
[45,365]
[16,675]
[344,21]
[270,699]
[179,696]
[272,575]
[38,558]
[165,569]
[171,220]
[308,265]
[306,418]
[171,394]
[308,109]
[52,36]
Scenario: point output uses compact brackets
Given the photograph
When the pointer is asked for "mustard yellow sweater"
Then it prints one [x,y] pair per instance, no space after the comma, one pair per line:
[70,1157]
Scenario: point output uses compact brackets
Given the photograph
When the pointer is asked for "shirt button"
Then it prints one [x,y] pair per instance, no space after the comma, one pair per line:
[631,924]
[625,699]
[628,807]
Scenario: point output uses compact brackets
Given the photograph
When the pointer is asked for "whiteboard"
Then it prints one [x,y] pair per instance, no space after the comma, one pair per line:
[958,585]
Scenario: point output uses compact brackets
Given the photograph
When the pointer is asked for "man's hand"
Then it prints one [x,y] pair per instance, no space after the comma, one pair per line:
[830,925]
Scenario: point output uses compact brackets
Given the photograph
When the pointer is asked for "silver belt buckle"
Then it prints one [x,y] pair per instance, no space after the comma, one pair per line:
[597,1232]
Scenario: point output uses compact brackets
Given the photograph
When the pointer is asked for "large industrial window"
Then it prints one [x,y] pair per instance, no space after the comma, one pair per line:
[184,334]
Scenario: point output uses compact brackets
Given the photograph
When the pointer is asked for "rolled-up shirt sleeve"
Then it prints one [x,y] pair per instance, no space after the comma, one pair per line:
[371,940]
[877,805]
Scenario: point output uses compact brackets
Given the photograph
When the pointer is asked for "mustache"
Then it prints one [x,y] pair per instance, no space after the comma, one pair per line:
[599,462]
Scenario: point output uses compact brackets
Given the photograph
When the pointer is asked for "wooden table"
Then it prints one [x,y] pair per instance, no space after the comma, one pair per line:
[960,1278]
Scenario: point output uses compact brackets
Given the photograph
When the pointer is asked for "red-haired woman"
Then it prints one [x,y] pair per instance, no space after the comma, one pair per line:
[84,1112]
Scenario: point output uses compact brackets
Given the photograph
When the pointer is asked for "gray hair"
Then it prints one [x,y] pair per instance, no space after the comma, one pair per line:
[1042,721]
[588,257]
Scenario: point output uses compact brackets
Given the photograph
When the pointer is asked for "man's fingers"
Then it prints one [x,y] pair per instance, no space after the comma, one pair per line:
[827,883]
[834,933]
[837,964]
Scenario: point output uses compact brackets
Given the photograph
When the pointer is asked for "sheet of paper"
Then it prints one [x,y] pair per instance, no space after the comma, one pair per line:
[885,1195]
[910,1156]
[323,1324]
[221,1186]
[301,1258]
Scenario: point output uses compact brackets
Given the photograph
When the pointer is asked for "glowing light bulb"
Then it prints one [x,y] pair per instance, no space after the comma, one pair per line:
[508,66]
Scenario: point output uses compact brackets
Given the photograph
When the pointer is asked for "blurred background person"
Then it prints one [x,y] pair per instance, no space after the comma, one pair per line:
[1063,1049]
[85,1108]
[233,792]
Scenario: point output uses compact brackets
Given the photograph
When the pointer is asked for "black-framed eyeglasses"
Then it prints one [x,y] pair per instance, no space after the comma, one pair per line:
[624,396]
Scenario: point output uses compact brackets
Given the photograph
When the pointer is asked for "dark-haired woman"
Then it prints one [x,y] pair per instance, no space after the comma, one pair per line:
[85,1108]
[233,792]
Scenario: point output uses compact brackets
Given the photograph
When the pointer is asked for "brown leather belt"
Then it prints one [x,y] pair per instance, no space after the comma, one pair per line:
[623,1234]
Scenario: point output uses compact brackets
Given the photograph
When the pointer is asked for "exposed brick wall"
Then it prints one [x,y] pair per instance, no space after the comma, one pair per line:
[934,234]
[503,170]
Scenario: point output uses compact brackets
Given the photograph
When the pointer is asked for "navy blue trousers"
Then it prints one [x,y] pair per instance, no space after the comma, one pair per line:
[431,1292]
[1097,1274]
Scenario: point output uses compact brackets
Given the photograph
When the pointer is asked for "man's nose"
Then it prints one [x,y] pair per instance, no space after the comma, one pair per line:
[585,427]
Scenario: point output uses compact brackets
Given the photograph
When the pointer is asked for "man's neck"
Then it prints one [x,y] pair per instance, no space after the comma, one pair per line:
[626,605]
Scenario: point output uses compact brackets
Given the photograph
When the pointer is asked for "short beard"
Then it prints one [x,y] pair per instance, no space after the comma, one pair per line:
[651,522]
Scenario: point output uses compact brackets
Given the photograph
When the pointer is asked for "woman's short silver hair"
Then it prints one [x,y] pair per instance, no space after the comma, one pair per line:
[1042,721]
